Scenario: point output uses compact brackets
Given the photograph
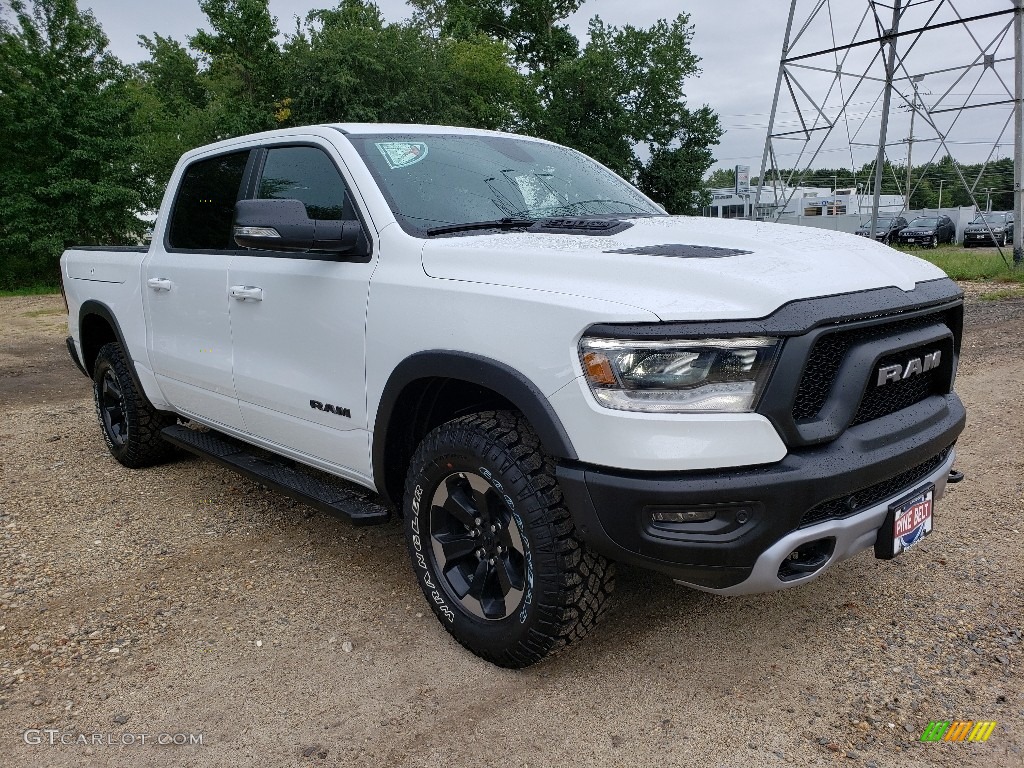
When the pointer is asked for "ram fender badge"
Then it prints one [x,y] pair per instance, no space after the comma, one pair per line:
[915,366]
[316,405]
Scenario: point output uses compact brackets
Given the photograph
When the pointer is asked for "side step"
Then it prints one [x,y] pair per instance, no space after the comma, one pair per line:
[350,503]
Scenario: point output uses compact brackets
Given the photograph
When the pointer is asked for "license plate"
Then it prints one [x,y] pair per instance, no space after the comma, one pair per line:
[908,521]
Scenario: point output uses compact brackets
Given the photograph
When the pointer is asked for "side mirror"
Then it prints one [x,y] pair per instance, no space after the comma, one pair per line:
[283,225]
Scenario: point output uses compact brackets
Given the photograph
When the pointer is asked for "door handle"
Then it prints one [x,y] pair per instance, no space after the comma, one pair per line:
[246,293]
[159,283]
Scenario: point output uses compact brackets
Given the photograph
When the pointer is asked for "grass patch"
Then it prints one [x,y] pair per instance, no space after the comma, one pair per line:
[1003,293]
[970,264]
[31,290]
[43,312]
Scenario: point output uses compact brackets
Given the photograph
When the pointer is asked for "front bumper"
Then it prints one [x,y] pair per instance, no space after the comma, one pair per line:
[915,239]
[837,493]
[985,238]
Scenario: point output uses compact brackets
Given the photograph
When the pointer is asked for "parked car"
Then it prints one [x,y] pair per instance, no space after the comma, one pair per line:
[995,228]
[886,229]
[516,351]
[928,231]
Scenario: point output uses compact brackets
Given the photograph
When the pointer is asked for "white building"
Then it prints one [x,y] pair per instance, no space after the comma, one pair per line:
[800,201]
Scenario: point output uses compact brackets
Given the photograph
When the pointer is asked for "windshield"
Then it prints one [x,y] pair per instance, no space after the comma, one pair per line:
[434,181]
[991,218]
[881,223]
[924,222]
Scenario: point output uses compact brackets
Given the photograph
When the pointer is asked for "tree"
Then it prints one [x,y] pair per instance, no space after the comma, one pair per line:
[530,27]
[243,64]
[175,110]
[68,152]
[626,89]
[721,178]
[348,64]
[674,176]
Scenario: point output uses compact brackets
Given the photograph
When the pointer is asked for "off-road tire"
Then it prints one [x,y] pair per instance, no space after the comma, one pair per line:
[566,585]
[136,441]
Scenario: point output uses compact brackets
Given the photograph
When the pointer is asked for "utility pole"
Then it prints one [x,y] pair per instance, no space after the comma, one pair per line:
[941,182]
[1018,144]
[988,199]
[890,66]
[910,141]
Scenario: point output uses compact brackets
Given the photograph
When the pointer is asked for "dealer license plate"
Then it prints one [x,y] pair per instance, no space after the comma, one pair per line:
[908,521]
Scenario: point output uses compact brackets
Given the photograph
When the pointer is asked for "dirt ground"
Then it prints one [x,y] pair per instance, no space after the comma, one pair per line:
[185,603]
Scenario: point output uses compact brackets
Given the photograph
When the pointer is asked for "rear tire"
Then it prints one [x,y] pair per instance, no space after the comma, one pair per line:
[493,546]
[130,423]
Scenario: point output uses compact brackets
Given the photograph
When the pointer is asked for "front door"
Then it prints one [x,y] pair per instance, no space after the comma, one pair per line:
[298,325]
[185,285]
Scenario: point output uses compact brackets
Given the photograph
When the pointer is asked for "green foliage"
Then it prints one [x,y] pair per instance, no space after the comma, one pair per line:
[243,63]
[625,90]
[530,27]
[68,150]
[175,110]
[348,65]
[31,289]
[673,176]
[721,178]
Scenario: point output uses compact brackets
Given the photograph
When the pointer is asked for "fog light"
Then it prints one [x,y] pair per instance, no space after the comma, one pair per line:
[683,515]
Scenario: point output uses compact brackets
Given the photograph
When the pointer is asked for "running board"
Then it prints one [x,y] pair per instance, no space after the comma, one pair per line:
[349,503]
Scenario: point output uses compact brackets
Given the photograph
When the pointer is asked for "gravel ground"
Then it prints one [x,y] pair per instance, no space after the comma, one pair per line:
[185,600]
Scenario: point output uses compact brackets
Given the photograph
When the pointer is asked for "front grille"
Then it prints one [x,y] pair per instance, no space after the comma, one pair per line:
[895,396]
[827,356]
[853,503]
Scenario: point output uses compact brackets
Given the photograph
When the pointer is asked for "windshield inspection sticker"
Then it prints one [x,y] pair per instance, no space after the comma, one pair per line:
[402,154]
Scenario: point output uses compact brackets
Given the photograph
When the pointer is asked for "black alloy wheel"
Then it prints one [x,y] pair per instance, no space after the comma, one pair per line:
[112,409]
[477,546]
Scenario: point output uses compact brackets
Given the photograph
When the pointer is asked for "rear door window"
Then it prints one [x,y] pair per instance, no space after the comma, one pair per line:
[201,218]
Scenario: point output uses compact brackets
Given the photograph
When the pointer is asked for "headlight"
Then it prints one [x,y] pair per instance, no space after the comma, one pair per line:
[678,375]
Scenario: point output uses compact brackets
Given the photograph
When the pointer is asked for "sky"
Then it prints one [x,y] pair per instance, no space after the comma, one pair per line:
[739,42]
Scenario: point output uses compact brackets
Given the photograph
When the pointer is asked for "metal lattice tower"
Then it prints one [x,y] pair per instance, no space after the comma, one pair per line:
[952,73]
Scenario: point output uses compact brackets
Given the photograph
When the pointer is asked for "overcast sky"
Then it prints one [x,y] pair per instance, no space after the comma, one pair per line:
[739,42]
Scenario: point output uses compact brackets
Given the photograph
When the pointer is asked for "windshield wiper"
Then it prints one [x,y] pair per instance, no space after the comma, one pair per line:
[503,224]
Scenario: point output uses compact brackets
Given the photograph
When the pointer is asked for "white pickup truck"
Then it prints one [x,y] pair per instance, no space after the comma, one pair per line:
[528,361]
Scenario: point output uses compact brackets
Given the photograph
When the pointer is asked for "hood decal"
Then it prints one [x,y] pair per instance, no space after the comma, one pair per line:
[681,251]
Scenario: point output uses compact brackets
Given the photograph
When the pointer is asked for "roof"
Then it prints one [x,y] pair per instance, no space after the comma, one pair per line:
[357,129]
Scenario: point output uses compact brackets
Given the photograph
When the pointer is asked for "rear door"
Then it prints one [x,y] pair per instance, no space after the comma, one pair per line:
[299,327]
[185,284]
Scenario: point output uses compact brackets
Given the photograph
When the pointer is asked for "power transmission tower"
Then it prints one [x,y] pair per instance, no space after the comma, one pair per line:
[826,95]
[1018,144]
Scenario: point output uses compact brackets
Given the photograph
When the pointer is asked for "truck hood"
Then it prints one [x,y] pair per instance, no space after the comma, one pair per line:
[681,268]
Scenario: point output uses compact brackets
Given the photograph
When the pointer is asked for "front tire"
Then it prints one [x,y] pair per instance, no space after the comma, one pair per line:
[935,241]
[493,546]
[130,423]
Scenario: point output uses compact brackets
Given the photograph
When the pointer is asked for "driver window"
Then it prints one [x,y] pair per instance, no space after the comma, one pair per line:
[308,175]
